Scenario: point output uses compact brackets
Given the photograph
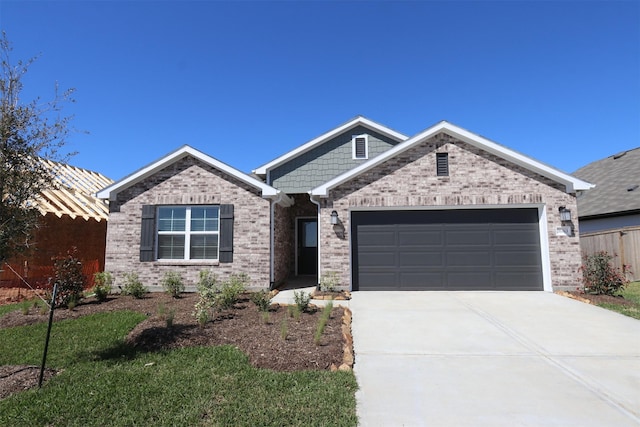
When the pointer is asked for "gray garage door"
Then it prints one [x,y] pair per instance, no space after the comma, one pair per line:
[467,249]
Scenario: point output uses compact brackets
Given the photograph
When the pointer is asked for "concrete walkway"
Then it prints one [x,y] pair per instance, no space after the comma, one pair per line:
[493,359]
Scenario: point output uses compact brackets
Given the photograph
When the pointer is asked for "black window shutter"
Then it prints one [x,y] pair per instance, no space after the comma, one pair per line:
[361,148]
[442,164]
[226,233]
[147,233]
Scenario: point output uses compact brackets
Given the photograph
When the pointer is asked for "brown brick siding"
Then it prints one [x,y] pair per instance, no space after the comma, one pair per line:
[190,182]
[475,178]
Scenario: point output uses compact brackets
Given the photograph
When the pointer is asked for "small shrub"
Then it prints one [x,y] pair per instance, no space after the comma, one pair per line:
[599,276]
[173,284]
[261,300]
[133,286]
[294,311]
[302,300]
[284,329]
[322,322]
[329,282]
[266,317]
[217,296]
[170,316]
[24,307]
[69,278]
[103,283]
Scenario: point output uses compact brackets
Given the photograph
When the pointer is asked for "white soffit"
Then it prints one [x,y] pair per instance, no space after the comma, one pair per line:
[184,151]
[571,183]
[357,121]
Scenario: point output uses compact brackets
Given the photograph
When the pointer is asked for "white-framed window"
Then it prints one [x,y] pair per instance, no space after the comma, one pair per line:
[188,232]
[360,146]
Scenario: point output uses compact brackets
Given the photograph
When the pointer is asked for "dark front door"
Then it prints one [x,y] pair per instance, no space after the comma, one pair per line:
[307,246]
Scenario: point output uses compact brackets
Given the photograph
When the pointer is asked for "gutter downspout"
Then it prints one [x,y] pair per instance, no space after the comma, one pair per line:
[272,272]
[316,202]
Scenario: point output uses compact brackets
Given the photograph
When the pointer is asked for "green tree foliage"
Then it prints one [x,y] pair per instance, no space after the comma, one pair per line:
[29,132]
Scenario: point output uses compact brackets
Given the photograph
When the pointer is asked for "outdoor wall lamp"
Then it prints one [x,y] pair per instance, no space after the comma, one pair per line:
[334,218]
[565,214]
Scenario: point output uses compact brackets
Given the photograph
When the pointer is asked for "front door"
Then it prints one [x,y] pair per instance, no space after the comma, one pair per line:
[307,245]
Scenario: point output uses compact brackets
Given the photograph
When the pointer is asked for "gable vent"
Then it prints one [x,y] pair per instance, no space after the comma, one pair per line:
[442,164]
[360,147]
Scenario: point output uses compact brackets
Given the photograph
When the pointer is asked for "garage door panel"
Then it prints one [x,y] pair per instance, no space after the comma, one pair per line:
[468,259]
[468,236]
[469,280]
[517,259]
[479,249]
[375,237]
[421,259]
[378,259]
[420,237]
[518,280]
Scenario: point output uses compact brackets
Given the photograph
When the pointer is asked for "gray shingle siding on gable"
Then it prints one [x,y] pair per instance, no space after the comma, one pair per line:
[326,161]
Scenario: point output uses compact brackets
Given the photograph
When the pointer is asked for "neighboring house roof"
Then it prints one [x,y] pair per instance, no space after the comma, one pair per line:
[112,191]
[617,180]
[571,183]
[73,193]
[353,123]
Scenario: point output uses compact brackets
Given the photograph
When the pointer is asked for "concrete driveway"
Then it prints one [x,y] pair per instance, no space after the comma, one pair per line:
[493,359]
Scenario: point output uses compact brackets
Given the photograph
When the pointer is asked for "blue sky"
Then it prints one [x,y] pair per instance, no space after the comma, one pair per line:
[247,81]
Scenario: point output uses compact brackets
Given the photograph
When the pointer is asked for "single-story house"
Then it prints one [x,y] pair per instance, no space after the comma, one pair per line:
[610,213]
[71,216]
[445,209]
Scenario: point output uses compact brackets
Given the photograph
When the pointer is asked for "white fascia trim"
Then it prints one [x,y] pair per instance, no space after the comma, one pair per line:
[571,183]
[262,170]
[111,191]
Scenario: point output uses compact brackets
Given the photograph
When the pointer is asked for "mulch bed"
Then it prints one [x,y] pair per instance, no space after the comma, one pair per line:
[242,326]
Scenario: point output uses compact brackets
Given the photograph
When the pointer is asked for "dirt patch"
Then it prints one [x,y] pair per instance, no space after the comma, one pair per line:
[277,341]
[16,378]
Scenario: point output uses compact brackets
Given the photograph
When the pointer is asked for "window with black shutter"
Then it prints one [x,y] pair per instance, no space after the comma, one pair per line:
[187,233]
[442,164]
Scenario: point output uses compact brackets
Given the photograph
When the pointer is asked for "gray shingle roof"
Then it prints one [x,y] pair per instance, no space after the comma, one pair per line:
[617,180]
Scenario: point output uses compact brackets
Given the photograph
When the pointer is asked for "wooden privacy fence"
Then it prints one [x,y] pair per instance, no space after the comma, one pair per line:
[38,276]
[622,243]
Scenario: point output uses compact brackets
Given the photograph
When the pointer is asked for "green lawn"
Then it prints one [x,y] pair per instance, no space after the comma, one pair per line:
[8,307]
[631,292]
[106,383]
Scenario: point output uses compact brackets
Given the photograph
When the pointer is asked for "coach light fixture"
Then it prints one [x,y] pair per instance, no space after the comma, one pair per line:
[565,214]
[334,218]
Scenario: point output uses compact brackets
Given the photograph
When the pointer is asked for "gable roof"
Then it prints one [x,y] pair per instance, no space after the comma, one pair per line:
[617,179]
[111,191]
[356,121]
[73,193]
[571,183]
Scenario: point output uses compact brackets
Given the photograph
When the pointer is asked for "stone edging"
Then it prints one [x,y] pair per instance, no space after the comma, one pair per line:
[575,297]
[347,354]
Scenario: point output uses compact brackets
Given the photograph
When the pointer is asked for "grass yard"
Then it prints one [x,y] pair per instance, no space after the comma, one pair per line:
[104,382]
[631,293]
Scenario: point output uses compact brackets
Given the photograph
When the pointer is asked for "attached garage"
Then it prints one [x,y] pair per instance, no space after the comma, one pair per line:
[461,249]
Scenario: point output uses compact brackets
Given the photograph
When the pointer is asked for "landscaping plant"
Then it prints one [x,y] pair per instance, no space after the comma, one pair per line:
[599,276]
[69,278]
[302,300]
[261,300]
[133,286]
[103,282]
[216,296]
[329,282]
[322,323]
[173,284]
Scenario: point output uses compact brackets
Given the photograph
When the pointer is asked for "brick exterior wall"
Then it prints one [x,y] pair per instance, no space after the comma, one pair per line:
[475,178]
[190,182]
